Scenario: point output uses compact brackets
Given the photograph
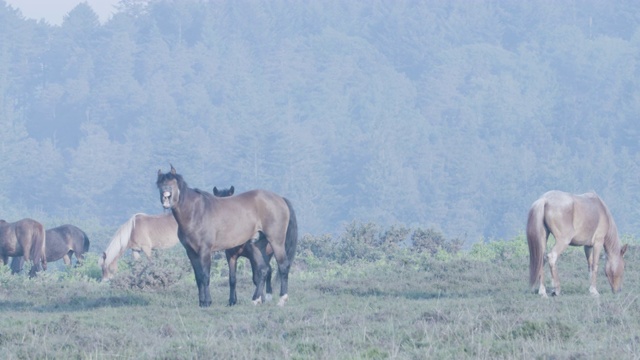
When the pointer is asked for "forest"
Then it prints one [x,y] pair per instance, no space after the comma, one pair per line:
[448,115]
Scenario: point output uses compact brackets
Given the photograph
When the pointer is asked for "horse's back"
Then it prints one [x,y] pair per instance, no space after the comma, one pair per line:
[26,228]
[159,231]
[260,205]
[581,217]
[64,238]
[19,235]
[236,219]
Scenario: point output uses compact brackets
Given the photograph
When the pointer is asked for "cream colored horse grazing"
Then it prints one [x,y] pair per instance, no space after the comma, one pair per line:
[141,233]
[577,220]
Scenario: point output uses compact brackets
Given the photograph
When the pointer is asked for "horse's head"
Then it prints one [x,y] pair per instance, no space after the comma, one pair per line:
[169,187]
[223,192]
[615,269]
[107,269]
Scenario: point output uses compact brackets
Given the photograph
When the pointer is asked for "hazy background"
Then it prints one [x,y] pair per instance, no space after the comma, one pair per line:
[454,115]
[53,12]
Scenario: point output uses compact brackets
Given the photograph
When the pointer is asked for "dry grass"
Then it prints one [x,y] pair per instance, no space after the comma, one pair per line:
[386,309]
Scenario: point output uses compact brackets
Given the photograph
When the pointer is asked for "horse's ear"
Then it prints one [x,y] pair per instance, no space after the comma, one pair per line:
[215,191]
[231,190]
[624,249]
[159,172]
[173,170]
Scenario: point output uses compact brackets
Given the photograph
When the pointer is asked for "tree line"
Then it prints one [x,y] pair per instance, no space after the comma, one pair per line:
[450,115]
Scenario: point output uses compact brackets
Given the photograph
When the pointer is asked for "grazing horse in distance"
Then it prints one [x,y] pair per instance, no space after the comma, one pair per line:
[24,238]
[141,233]
[62,242]
[577,220]
[247,251]
[207,223]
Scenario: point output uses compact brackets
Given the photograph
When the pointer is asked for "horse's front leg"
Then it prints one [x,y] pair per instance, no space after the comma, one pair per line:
[198,271]
[593,255]
[205,261]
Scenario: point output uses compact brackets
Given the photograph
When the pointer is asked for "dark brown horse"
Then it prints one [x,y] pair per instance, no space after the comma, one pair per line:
[207,223]
[25,238]
[62,242]
[247,250]
[577,220]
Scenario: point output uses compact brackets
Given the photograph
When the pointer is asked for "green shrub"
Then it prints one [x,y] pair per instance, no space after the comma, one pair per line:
[516,248]
[163,270]
[433,241]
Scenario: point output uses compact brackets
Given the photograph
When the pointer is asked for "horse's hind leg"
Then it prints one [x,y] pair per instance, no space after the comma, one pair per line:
[79,258]
[542,290]
[269,290]
[67,258]
[283,270]
[558,248]
[260,270]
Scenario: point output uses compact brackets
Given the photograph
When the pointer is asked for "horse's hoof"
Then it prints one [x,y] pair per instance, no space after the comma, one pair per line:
[257,301]
[268,298]
[205,303]
[283,299]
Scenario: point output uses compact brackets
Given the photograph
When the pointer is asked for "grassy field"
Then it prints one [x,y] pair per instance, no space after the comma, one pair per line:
[398,307]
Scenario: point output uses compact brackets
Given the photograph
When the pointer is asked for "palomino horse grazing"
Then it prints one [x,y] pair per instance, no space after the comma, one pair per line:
[24,238]
[577,220]
[141,233]
[62,242]
[247,250]
[207,223]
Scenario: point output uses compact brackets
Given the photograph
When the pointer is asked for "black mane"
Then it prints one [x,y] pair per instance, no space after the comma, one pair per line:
[171,176]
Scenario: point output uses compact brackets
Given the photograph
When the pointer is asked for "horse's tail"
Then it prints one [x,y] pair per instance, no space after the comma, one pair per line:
[85,247]
[291,239]
[118,244]
[38,255]
[537,238]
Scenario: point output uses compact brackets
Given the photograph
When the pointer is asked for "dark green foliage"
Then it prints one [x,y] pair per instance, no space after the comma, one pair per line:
[370,242]
[444,115]
[164,270]
[432,241]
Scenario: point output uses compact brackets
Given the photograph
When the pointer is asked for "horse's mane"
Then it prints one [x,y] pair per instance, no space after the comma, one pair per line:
[119,242]
[171,175]
[202,192]
[611,240]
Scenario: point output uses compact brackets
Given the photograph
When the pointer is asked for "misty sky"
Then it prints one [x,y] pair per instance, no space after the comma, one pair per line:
[54,11]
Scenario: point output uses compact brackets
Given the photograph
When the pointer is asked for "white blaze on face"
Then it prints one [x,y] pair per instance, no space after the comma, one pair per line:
[165,199]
